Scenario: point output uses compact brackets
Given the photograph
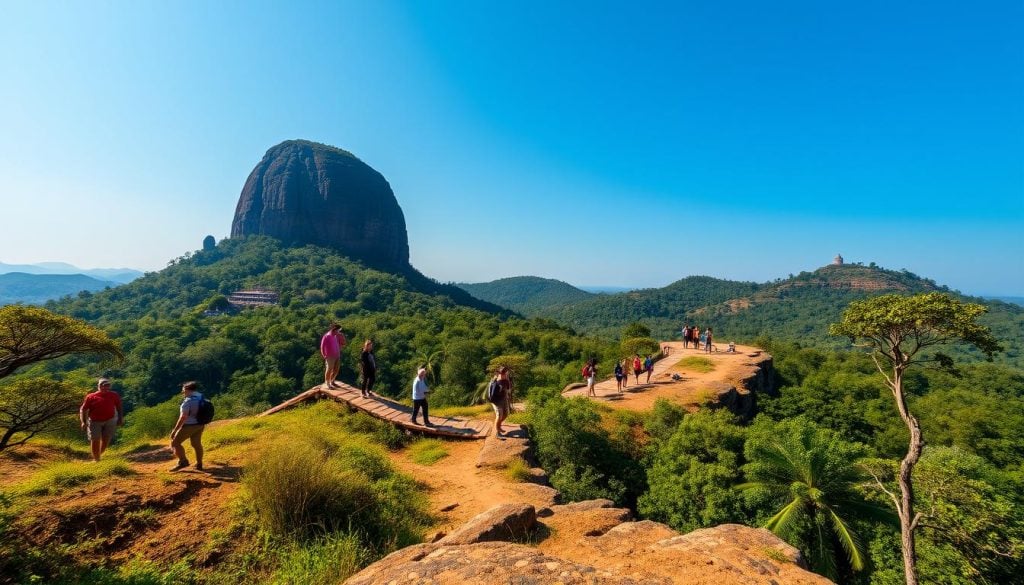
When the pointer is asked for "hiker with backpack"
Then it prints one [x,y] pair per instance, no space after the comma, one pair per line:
[499,394]
[648,367]
[638,367]
[620,373]
[195,413]
[589,374]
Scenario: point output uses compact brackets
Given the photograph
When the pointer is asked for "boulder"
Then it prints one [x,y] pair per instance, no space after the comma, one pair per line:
[308,193]
[498,452]
[507,522]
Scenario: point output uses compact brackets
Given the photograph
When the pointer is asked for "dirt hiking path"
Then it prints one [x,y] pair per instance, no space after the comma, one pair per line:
[696,387]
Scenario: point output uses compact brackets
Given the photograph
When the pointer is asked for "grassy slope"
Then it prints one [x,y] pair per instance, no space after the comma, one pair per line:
[71,517]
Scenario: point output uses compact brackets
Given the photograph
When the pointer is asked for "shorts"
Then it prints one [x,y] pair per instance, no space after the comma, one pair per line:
[332,362]
[97,429]
[500,409]
[636,372]
[590,381]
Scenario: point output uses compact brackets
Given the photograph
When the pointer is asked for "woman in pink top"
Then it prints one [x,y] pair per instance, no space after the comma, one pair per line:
[331,345]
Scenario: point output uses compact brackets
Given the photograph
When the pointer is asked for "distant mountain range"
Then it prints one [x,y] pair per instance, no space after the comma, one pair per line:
[118,275]
[35,284]
[36,289]
[799,308]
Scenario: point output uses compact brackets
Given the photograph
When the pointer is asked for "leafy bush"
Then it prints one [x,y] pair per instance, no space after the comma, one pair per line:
[640,346]
[692,475]
[151,422]
[580,455]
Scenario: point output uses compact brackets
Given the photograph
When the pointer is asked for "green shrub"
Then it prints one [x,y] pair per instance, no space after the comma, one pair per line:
[518,470]
[640,345]
[583,460]
[300,490]
[151,422]
[450,395]
[428,451]
[325,561]
[297,490]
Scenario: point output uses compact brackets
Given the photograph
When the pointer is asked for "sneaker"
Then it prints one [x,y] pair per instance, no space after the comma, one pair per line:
[199,466]
[429,424]
[414,422]
[181,465]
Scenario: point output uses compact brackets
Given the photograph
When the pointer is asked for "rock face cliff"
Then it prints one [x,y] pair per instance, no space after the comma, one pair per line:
[309,193]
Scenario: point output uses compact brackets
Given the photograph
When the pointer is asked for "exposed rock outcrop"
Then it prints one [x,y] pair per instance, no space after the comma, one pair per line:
[589,542]
[308,193]
[507,522]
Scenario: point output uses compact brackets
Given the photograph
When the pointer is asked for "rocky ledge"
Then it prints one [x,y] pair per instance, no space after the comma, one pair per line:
[590,542]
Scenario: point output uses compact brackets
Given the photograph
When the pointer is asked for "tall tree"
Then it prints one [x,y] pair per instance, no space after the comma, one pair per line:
[29,335]
[901,332]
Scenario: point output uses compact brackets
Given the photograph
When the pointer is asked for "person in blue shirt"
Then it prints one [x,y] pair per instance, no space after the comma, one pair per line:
[419,397]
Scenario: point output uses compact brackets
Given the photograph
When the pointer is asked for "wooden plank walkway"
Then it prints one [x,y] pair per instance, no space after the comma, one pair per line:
[393,412]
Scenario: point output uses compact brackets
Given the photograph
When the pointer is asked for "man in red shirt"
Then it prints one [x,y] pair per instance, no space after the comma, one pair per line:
[101,413]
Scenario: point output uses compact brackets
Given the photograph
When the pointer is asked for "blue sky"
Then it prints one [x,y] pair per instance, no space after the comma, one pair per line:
[607,143]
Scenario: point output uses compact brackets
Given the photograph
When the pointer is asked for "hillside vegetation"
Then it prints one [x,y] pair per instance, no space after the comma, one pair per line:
[798,308]
[529,295]
[257,357]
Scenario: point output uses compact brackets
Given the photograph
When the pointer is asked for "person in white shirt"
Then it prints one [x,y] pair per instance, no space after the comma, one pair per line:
[419,397]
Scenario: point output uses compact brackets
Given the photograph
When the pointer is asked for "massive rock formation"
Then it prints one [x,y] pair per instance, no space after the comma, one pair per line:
[308,193]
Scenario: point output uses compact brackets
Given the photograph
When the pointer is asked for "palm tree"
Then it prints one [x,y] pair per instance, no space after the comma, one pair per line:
[813,474]
[431,358]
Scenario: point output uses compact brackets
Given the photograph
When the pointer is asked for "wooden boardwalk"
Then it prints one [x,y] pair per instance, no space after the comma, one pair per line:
[393,412]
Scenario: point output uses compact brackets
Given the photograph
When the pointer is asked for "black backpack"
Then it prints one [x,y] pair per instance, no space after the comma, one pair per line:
[205,412]
[495,393]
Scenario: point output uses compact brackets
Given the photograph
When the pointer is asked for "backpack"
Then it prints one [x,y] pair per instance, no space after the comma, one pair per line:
[585,372]
[204,415]
[495,393]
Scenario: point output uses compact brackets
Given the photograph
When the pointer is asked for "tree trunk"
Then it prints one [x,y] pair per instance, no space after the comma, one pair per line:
[906,509]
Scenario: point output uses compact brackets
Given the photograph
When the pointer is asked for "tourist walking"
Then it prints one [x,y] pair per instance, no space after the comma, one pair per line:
[619,375]
[419,397]
[625,372]
[100,414]
[638,366]
[188,427]
[707,341]
[648,367]
[590,372]
[367,367]
[499,393]
[686,336]
[331,345]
